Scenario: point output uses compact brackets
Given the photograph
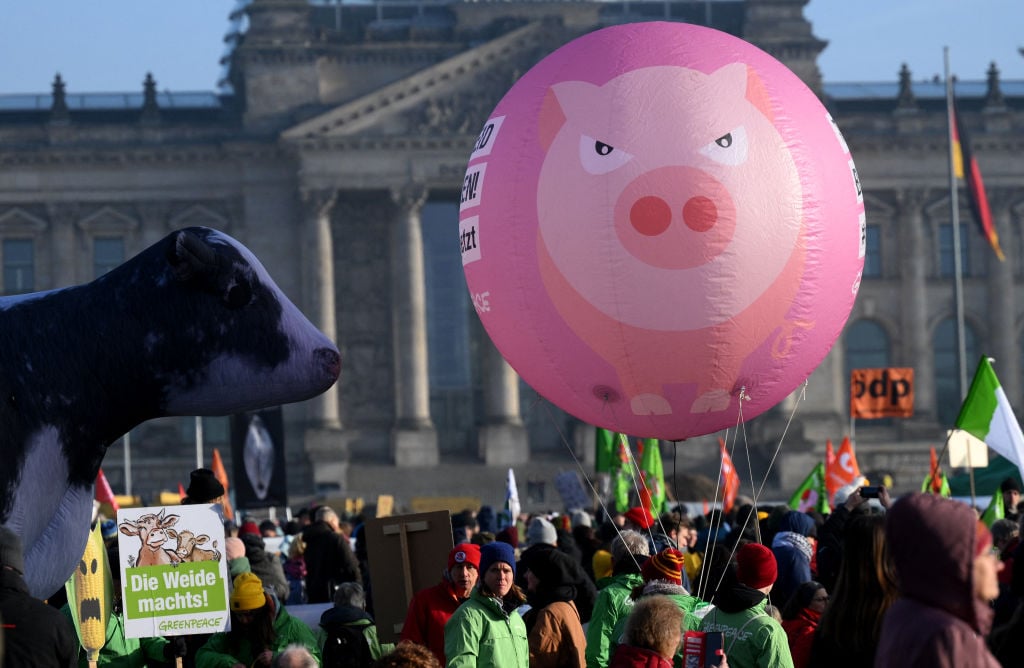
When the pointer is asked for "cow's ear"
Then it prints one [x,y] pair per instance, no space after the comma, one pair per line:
[190,256]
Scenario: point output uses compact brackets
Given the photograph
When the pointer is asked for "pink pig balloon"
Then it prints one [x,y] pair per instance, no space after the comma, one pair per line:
[658,219]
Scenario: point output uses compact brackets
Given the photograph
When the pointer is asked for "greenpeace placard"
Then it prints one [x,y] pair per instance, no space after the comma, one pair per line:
[174,576]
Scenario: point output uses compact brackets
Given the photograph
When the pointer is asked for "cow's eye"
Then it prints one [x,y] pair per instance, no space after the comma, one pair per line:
[597,157]
[238,295]
[729,149]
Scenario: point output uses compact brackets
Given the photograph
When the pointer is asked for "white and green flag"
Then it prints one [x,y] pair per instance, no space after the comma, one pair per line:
[986,413]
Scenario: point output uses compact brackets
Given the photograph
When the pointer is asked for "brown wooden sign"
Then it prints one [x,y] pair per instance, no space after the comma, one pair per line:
[881,393]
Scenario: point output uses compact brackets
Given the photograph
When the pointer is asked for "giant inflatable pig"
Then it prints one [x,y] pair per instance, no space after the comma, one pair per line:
[193,325]
[662,229]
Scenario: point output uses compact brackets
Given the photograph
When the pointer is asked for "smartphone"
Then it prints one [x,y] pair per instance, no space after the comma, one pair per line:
[870,492]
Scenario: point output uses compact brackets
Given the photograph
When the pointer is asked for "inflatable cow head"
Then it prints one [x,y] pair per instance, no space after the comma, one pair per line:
[193,325]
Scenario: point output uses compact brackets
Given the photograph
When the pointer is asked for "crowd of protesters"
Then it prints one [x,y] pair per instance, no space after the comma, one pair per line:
[918,581]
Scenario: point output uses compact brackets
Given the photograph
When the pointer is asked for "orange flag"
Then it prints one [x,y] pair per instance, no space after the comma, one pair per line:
[730,479]
[844,469]
[103,492]
[181,492]
[222,475]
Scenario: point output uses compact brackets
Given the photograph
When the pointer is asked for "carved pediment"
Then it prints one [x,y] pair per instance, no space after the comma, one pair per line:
[453,97]
[108,220]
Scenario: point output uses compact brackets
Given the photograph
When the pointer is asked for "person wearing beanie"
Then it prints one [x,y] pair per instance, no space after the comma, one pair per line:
[948,576]
[629,550]
[34,633]
[651,636]
[260,629]
[266,565]
[249,528]
[486,631]
[553,625]
[542,538]
[793,551]
[753,638]
[510,535]
[663,576]
[1010,489]
[203,487]
[431,608]
[540,532]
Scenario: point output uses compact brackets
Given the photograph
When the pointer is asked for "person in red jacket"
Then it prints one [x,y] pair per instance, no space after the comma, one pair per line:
[800,618]
[431,608]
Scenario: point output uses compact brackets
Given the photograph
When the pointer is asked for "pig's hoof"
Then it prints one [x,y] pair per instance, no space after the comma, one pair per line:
[711,402]
[650,404]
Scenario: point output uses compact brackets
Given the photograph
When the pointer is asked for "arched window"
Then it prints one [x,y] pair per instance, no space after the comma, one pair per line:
[867,347]
[948,392]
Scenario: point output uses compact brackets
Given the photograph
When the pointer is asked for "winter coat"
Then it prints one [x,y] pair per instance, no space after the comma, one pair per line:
[627,656]
[217,652]
[429,610]
[679,596]
[612,603]
[586,591]
[329,561]
[753,639]
[829,550]
[556,638]
[800,631]
[122,652]
[937,621]
[481,634]
[266,566]
[35,635]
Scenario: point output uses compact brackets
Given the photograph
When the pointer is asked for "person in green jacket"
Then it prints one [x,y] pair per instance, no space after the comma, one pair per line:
[486,631]
[260,629]
[753,639]
[629,550]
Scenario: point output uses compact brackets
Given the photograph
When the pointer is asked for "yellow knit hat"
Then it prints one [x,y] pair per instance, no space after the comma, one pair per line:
[248,593]
[602,564]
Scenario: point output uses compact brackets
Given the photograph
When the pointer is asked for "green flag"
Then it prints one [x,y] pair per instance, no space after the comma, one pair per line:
[811,494]
[995,510]
[604,459]
[652,474]
[623,474]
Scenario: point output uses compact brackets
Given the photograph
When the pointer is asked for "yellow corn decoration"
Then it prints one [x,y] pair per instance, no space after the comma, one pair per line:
[89,596]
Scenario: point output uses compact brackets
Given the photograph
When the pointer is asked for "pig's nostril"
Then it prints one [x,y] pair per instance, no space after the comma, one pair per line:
[700,214]
[650,216]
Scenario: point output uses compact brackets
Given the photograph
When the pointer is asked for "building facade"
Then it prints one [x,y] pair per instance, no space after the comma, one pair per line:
[336,152]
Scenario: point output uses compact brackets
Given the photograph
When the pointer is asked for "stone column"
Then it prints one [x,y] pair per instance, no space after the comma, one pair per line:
[64,259]
[502,438]
[318,279]
[413,437]
[913,251]
[322,438]
[1001,302]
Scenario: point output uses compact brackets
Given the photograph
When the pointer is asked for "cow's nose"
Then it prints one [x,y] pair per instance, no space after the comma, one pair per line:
[330,360]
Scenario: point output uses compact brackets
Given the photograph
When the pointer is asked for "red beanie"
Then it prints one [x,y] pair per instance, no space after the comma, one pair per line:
[640,516]
[249,528]
[467,553]
[755,566]
[510,535]
[665,565]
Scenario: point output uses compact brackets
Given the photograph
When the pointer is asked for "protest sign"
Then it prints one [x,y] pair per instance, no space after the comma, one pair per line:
[174,576]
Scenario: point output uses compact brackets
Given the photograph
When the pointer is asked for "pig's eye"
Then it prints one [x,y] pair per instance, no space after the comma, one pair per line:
[600,158]
[729,149]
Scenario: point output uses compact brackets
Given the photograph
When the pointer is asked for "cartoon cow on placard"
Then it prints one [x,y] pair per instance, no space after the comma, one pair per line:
[193,325]
[153,530]
[670,207]
[188,549]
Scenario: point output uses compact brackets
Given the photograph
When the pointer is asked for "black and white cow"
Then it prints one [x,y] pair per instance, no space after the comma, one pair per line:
[193,325]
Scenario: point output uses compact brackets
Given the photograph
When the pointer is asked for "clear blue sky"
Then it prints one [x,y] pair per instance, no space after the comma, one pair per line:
[109,45]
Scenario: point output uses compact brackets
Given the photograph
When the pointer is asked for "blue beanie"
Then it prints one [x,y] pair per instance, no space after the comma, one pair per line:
[495,552]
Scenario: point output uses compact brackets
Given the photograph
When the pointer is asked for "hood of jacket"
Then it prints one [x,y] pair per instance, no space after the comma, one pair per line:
[932,542]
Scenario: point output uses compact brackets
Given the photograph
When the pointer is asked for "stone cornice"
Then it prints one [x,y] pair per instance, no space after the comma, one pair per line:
[461,143]
[156,155]
[405,94]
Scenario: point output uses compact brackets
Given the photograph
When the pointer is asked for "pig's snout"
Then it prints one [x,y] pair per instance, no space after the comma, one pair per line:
[651,215]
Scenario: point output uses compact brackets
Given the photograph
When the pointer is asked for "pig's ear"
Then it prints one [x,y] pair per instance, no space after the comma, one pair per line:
[757,95]
[559,104]
[551,120]
[737,80]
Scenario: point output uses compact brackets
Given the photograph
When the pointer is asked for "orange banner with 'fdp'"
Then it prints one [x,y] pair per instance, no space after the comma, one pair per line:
[881,393]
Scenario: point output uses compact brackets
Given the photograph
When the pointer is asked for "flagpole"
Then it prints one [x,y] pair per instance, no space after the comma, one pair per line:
[127,440]
[954,215]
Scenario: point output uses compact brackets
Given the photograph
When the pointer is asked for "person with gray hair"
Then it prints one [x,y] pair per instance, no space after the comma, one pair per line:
[347,631]
[295,656]
[330,560]
[629,550]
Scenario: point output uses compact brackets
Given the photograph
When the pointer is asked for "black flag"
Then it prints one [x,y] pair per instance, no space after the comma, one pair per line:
[257,456]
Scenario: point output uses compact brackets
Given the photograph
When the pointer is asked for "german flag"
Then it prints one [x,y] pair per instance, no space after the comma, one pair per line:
[966,167]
